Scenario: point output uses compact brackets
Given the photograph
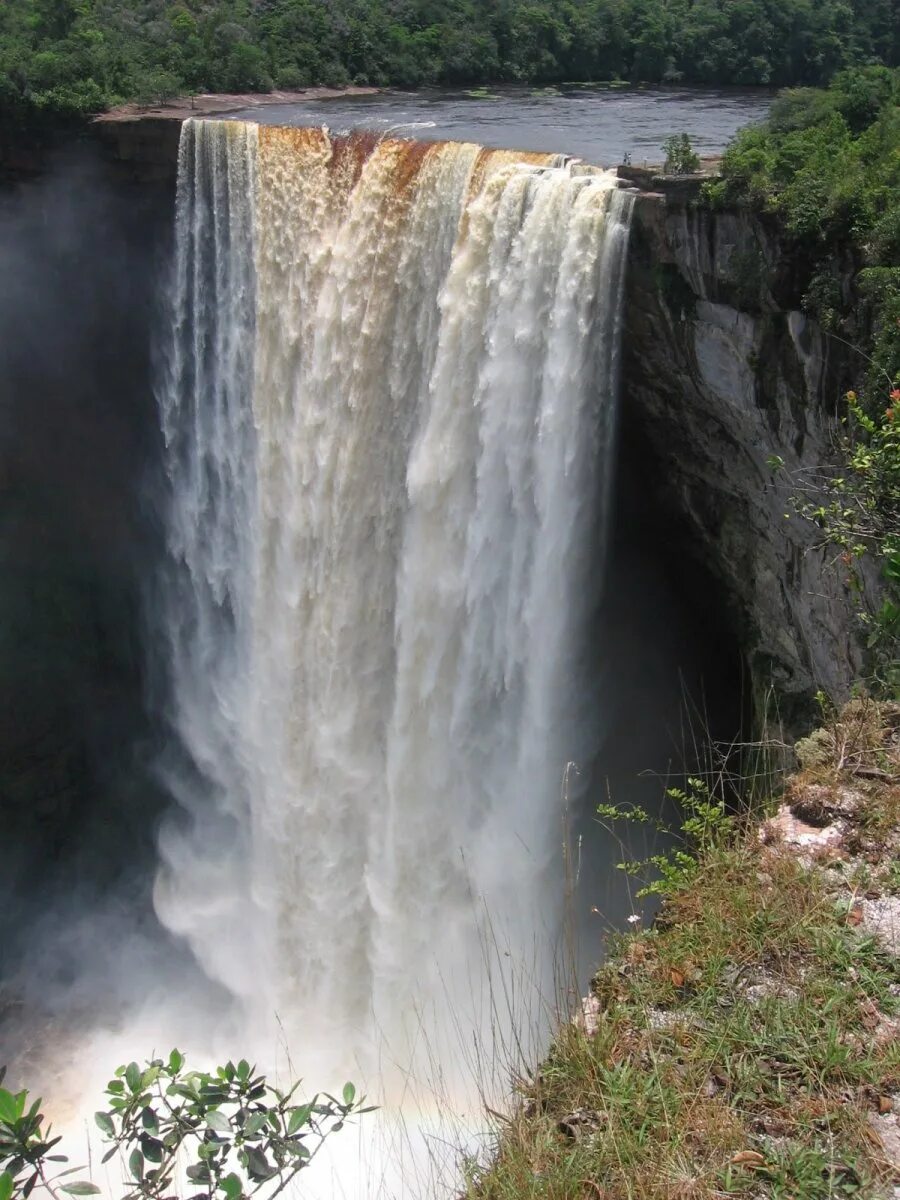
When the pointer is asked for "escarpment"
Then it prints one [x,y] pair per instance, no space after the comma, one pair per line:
[723,372]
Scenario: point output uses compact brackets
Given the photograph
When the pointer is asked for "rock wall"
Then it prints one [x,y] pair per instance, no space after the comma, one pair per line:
[721,371]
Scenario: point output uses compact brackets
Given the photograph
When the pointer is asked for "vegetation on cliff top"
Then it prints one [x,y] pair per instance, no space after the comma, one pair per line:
[748,1043]
[828,164]
[65,58]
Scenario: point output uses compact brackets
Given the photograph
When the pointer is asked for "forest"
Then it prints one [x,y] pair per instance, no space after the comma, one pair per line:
[65,59]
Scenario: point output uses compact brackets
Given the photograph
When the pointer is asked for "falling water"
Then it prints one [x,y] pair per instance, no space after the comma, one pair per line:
[389,409]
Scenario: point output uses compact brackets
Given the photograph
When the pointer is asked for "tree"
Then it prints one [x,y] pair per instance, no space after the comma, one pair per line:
[680,156]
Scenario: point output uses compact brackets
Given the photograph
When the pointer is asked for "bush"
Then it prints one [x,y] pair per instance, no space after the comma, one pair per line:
[237,1134]
[680,156]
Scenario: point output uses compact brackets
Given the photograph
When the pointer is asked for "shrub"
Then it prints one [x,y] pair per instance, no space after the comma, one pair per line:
[680,156]
[238,1135]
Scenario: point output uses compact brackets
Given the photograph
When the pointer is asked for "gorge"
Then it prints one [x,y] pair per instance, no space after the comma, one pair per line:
[354,603]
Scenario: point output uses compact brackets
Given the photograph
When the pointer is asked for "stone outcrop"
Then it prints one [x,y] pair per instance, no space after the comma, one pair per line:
[722,371]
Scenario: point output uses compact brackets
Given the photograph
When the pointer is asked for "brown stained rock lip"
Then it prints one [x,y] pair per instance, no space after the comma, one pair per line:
[210,104]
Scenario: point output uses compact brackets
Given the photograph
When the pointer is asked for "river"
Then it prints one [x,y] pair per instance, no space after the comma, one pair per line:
[599,125]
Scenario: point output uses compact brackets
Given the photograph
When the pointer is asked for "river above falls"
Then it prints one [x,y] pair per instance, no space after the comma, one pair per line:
[600,125]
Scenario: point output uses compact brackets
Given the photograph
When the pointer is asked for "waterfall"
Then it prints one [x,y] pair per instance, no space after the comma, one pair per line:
[388,406]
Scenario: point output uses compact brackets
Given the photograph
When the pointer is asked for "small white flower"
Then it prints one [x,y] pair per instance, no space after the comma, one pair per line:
[634,919]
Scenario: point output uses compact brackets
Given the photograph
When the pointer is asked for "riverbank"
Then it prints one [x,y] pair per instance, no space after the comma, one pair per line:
[748,1043]
[211,104]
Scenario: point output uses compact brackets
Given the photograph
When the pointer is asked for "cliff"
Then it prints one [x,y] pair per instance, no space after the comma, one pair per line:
[722,370]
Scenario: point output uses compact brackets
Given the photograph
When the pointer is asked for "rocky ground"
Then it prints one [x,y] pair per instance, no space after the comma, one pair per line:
[211,104]
[748,1043]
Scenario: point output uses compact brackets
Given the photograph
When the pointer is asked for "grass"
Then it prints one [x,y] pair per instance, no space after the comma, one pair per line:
[741,1045]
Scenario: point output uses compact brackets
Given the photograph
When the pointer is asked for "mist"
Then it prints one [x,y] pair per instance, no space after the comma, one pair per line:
[80,261]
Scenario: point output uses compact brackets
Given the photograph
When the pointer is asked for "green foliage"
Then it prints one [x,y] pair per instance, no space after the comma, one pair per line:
[680,156]
[857,507]
[231,1131]
[64,59]
[705,826]
[25,1150]
[828,164]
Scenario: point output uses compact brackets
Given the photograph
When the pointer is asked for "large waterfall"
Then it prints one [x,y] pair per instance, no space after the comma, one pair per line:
[389,411]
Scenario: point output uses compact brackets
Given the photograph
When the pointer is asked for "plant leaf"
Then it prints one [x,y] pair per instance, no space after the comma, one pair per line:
[299,1117]
[136,1165]
[258,1165]
[255,1122]
[105,1124]
[8,1108]
[218,1121]
[81,1188]
[232,1186]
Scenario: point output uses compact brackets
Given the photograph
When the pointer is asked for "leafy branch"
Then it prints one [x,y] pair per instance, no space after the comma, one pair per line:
[239,1135]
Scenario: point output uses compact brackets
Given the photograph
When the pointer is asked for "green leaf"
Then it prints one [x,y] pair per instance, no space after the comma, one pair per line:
[258,1166]
[349,1093]
[149,1120]
[231,1185]
[254,1123]
[133,1076]
[136,1165]
[198,1172]
[8,1107]
[243,1070]
[7,1183]
[218,1121]
[299,1117]
[81,1188]
[105,1124]
[176,1061]
[297,1149]
[150,1076]
[152,1148]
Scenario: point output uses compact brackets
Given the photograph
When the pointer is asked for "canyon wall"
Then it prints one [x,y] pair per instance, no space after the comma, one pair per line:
[723,371]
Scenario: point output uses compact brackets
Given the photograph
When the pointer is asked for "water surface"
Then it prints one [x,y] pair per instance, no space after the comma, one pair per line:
[600,125]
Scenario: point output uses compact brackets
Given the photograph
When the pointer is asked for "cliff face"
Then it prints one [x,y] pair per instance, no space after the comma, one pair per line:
[721,371]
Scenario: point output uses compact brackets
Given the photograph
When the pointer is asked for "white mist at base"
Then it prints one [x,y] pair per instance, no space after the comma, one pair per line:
[389,410]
